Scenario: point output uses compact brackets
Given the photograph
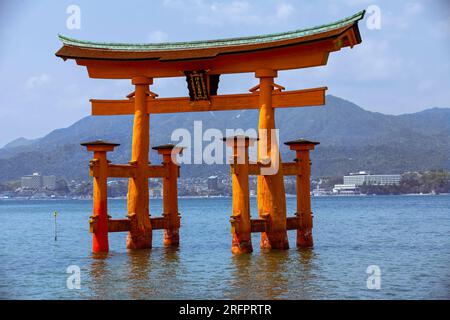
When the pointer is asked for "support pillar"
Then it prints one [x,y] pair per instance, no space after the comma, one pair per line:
[170,194]
[304,214]
[140,235]
[240,220]
[271,193]
[99,171]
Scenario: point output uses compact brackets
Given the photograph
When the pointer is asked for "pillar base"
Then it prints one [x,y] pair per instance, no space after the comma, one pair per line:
[139,241]
[304,238]
[100,244]
[171,238]
[241,245]
[274,240]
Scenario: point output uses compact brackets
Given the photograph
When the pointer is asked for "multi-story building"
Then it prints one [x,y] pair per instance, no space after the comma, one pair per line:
[33,181]
[213,183]
[364,177]
[38,182]
[49,182]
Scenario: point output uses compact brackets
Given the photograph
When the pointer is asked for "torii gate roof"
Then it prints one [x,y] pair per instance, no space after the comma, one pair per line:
[280,51]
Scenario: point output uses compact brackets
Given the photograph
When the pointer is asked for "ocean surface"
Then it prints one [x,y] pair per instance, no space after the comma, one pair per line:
[406,237]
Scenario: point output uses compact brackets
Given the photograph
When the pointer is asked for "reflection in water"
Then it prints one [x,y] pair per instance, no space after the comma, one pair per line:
[305,258]
[259,276]
[99,276]
[139,268]
[136,274]
[273,275]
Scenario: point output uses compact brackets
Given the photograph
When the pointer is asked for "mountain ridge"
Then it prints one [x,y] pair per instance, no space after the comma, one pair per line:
[351,139]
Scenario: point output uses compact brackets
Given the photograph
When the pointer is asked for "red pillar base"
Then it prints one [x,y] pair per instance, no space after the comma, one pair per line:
[304,238]
[274,240]
[171,238]
[100,243]
[139,240]
[241,244]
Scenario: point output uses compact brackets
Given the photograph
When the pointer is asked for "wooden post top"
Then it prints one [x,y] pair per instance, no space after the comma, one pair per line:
[99,146]
[141,80]
[167,149]
[302,144]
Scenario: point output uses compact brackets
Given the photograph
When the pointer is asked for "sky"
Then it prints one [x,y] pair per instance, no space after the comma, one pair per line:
[401,67]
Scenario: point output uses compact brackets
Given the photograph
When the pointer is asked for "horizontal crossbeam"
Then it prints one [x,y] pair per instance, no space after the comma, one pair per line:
[261,225]
[124,225]
[129,171]
[286,99]
[254,169]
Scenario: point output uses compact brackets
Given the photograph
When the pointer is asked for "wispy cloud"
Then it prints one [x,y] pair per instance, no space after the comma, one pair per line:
[246,13]
[158,36]
[37,81]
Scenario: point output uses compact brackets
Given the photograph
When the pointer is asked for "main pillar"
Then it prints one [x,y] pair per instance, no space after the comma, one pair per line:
[170,194]
[140,235]
[304,233]
[271,193]
[99,171]
[240,220]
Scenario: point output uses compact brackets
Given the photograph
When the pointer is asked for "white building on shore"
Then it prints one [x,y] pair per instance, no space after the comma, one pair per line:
[354,181]
[364,177]
[345,189]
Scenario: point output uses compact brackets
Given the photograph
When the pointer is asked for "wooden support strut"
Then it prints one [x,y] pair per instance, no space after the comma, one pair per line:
[171,215]
[240,219]
[270,189]
[140,235]
[305,217]
[99,216]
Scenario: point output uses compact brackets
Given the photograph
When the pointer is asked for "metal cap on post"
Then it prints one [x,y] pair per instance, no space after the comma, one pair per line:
[168,149]
[302,144]
[100,145]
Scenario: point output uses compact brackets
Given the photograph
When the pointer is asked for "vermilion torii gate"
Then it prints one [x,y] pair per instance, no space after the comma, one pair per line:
[202,63]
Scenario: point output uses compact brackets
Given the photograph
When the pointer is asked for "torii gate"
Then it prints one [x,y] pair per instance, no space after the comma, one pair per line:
[202,63]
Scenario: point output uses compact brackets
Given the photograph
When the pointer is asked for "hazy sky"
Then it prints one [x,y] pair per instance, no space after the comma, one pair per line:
[404,67]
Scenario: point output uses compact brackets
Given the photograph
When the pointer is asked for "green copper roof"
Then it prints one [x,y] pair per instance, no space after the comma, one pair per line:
[214,43]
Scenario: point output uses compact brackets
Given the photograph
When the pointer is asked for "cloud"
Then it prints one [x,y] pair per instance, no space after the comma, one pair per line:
[37,81]
[284,11]
[440,29]
[157,36]
[404,18]
[236,12]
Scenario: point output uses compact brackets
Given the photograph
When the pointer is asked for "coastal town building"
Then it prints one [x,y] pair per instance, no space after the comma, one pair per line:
[347,189]
[365,178]
[213,183]
[36,181]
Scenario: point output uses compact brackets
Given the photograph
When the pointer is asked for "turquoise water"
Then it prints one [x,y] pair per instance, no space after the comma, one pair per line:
[408,237]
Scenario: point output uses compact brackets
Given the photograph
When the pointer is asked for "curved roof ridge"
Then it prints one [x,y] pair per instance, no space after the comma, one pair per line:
[214,43]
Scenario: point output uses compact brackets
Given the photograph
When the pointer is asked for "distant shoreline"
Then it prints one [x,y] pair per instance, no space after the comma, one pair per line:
[228,197]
